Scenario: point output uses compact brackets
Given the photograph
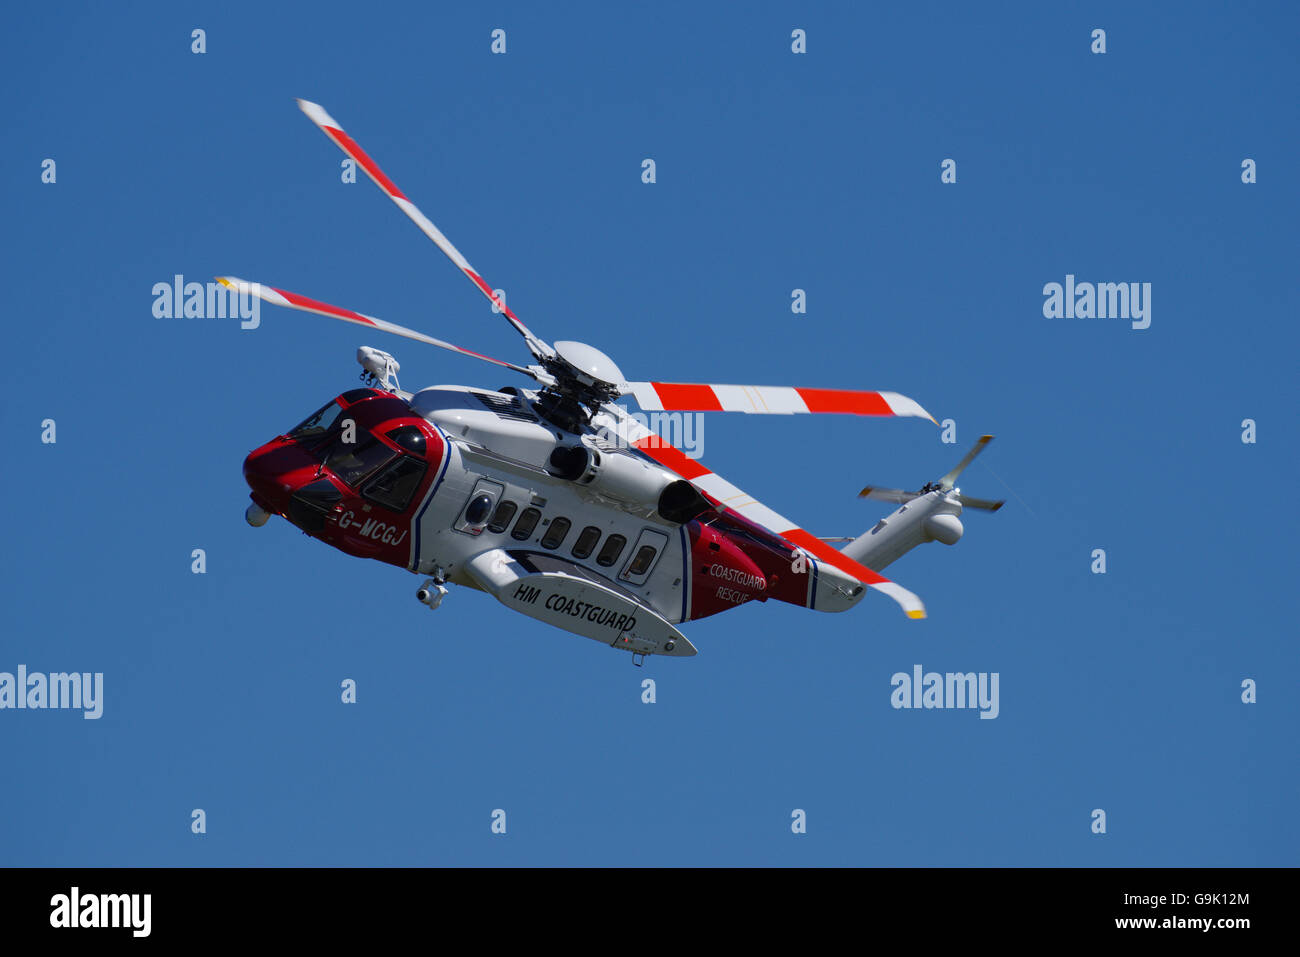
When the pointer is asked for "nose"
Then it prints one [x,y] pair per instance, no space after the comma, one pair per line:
[265,483]
[274,471]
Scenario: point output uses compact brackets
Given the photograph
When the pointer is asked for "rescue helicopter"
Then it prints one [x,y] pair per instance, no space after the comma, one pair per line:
[554,499]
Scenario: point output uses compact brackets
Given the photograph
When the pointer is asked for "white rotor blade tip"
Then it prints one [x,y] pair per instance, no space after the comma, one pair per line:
[245,288]
[902,405]
[910,602]
[316,113]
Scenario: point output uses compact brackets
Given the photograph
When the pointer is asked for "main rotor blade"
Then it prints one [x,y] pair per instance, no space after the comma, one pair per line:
[291,300]
[725,495]
[331,128]
[895,495]
[769,400]
[948,480]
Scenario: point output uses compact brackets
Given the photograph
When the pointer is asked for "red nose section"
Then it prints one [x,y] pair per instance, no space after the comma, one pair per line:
[275,471]
[367,501]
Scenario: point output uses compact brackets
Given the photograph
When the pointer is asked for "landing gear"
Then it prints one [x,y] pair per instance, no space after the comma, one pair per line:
[434,590]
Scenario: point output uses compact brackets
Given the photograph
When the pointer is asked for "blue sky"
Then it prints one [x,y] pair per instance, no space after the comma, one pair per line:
[775,171]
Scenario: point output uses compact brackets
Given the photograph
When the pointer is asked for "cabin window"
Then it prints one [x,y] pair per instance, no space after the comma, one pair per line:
[586,542]
[502,516]
[528,520]
[478,510]
[645,557]
[559,527]
[480,507]
[612,549]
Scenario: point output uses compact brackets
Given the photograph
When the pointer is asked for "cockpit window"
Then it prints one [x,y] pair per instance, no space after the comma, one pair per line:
[322,423]
[409,437]
[354,462]
[394,486]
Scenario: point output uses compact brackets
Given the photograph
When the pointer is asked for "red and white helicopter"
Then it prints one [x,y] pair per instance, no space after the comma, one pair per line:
[555,500]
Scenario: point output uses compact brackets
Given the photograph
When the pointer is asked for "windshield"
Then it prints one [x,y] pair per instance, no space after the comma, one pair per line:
[354,462]
[322,423]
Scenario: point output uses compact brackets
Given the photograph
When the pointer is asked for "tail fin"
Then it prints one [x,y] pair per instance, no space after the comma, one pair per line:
[932,517]
[931,514]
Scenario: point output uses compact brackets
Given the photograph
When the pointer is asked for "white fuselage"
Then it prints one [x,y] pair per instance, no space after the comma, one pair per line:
[503,453]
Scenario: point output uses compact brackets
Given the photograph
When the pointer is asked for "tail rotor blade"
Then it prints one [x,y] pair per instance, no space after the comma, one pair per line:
[948,480]
[895,495]
[988,505]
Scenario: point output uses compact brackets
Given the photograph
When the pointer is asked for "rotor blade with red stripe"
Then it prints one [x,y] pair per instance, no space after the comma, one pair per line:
[721,492]
[770,400]
[331,128]
[292,300]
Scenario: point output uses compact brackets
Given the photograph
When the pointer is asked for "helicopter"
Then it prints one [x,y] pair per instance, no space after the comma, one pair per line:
[558,502]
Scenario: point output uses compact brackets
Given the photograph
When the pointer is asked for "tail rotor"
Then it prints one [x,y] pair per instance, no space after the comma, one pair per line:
[897,496]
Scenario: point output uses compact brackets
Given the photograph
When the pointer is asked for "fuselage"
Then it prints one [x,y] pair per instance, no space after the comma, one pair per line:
[432,482]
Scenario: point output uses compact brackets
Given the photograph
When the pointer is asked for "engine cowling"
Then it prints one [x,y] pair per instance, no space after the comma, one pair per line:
[626,478]
[616,474]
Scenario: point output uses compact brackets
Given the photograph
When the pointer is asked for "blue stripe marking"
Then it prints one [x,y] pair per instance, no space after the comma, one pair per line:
[686,571]
[442,472]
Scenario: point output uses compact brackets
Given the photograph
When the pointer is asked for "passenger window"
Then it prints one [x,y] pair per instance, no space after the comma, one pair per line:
[478,510]
[528,520]
[502,516]
[555,533]
[586,541]
[613,548]
[394,486]
[645,557]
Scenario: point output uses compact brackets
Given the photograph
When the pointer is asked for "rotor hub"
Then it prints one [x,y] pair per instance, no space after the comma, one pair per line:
[589,365]
[585,378]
